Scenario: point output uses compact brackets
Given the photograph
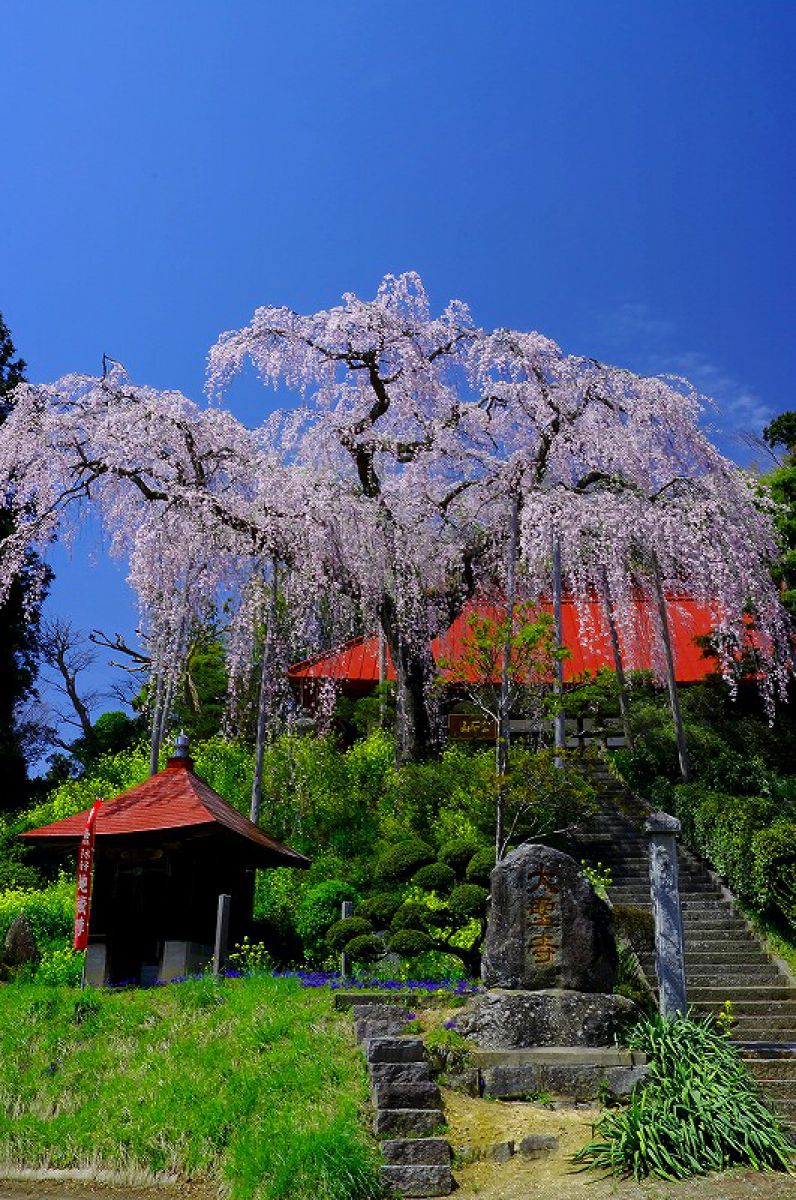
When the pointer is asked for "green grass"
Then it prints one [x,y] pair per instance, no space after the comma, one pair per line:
[254,1083]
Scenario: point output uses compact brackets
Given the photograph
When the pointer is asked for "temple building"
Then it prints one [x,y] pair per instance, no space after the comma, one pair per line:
[165,851]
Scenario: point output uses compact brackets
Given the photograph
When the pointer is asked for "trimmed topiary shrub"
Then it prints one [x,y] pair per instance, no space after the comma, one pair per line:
[365,949]
[457,853]
[410,943]
[403,859]
[774,869]
[379,909]
[468,900]
[435,877]
[342,932]
[481,866]
[410,915]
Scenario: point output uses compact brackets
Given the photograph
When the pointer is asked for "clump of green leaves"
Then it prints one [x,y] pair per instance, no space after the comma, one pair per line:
[699,1110]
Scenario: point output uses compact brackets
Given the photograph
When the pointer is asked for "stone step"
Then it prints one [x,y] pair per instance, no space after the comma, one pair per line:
[394,1049]
[710,942]
[773,1002]
[787,1110]
[778,1089]
[764,1028]
[416,1152]
[390,1072]
[756,1051]
[418,1180]
[408,1122]
[406,1095]
[720,959]
[364,1030]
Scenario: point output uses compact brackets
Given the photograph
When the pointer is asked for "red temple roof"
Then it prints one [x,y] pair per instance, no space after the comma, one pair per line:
[173,799]
[357,661]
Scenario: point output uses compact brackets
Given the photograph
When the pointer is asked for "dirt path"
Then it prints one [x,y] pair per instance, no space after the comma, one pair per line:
[58,1189]
[479,1123]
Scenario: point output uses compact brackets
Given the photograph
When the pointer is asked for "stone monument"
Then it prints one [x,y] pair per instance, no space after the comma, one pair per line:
[549,965]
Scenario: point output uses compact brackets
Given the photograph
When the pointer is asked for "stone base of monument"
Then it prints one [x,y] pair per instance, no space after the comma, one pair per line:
[575,1072]
[509,1019]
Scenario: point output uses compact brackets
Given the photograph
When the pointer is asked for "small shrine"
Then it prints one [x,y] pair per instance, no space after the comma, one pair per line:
[165,851]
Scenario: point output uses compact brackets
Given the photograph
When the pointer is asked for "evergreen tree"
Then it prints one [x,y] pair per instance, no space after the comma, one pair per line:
[781,433]
[18,627]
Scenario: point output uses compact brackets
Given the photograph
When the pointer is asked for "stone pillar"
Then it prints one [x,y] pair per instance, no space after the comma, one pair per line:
[95,967]
[662,830]
[346,911]
[222,934]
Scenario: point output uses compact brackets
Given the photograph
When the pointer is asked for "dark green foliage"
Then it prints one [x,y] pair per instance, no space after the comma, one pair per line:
[410,942]
[468,900]
[365,949]
[751,842]
[410,915]
[481,866]
[636,926]
[699,1111]
[631,984]
[379,909]
[342,932]
[435,877]
[19,626]
[320,908]
[457,853]
[401,860]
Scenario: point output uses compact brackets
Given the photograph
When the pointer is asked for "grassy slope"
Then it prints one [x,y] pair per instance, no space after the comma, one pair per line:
[253,1082]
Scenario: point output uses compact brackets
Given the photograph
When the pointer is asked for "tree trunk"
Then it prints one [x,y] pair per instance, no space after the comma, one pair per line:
[264,696]
[560,727]
[504,715]
[671,679]
[417,736]
[618,665]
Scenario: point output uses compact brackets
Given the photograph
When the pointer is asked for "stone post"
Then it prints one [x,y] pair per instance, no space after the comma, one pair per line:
[346,911]
[222,934]
[662,830]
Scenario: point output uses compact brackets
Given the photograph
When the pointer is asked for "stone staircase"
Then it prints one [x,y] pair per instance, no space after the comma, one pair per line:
[724,959]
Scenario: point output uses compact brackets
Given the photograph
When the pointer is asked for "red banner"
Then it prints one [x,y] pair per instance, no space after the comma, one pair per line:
[85,866]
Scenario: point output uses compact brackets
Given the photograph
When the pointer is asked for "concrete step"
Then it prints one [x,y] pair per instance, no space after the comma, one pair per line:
[719,959]
[781,1069]
[778,1089]
[763,1028]
[775,1005]
[766,980]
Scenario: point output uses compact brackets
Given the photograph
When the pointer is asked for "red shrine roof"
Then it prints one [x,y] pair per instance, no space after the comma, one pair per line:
[171,800]
[357,661]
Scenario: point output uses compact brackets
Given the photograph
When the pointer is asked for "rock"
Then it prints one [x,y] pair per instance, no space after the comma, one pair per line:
[535,1145]
[468,1081]
[427,1152]
[407,1095]
[20,943]
[400,1122]
[585,1082]
[548,928]
[418,1180]
[507,1019]
[394,1049]
[501,1152]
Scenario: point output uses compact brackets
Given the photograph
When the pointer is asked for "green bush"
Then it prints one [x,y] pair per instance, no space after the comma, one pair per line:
[773,854]
[401,860]
[60,967]
[699,1110]
[411,915]
[435,877]
[481,866]
[342,932]
[379,909]
[319,909]
[636,926]
[410,943]
[458,852]
[50,910]
[468,900]
[365,949]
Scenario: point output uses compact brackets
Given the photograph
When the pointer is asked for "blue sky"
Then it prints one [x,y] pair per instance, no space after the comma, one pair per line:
[618,175]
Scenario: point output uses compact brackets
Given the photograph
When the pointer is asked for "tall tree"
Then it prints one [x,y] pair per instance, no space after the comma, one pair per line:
[780,435]
[19,619]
